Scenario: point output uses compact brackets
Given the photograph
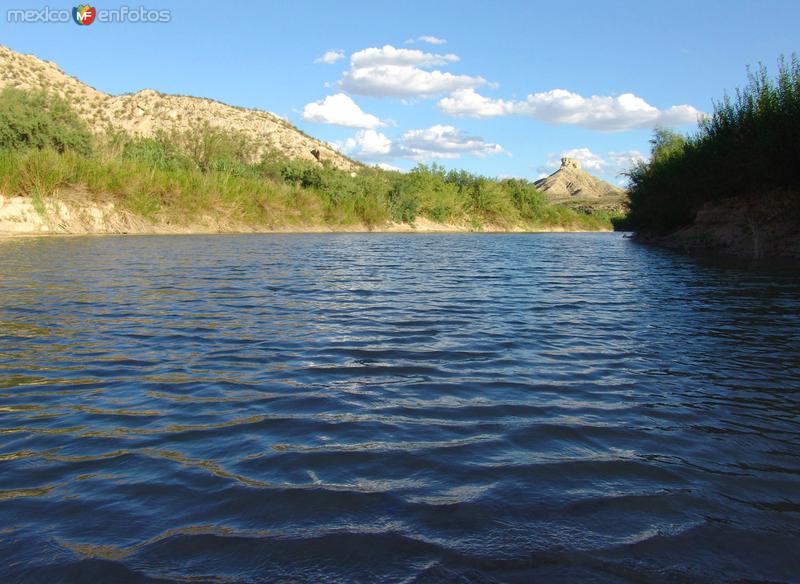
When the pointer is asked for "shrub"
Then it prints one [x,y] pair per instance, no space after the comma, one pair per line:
[35,119]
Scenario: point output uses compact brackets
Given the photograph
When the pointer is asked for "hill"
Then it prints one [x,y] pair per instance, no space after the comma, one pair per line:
[143,112]
[570,182]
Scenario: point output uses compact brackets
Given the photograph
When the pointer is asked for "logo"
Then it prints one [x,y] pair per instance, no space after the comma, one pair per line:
[84,15]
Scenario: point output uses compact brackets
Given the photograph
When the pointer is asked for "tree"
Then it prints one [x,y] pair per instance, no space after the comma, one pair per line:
[665,144]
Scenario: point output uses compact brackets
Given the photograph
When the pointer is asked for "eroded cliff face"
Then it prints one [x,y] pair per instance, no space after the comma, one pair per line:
[755,226]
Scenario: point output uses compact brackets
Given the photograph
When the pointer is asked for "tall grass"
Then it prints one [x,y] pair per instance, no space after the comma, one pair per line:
[750,145]
[188,177]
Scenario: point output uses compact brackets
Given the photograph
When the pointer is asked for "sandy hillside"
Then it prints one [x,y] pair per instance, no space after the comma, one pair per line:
[146,111]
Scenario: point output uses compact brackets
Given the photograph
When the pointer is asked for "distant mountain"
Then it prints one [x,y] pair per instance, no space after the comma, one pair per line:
[571,183]
[145,112]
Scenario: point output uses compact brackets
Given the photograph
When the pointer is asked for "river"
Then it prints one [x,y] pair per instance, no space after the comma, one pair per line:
[395,408]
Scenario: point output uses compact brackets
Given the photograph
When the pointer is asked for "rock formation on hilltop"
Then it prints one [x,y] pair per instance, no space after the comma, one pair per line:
[145,112]
[570,182]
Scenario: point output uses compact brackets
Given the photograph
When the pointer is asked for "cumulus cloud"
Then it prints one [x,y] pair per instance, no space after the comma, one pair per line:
[340,110]
[330,57]
[431,40]
[436,142]
[389,55]
[444,142]
[391,72]
[559,106]
[588,159]
[469,103]
[610,165]
[625,160]
[368,144]
[679,115]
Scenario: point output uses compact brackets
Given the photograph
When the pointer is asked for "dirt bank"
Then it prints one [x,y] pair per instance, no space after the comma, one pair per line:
[753,226]
[74,215]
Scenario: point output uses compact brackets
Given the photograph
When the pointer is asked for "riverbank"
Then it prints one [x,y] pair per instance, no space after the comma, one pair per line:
[212,180]
[752,227]
[74,214]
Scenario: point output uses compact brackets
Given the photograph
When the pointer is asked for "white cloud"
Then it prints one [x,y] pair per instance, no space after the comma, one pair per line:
[330,57]
[436,142]
[444,142]
[389,71]
[625,160]
[402,81]
[679,115]
[559,106]
[431,40]
[610,165]
[588,159]
[339,110]
[368,144]
[389,55]
[469,103]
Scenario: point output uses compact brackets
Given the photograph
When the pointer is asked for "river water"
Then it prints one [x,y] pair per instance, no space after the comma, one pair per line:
[395,408]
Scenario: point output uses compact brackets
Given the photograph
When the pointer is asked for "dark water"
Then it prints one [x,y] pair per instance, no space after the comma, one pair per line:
[390,408]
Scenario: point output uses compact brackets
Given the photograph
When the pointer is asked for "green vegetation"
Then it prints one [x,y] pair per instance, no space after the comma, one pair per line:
[749,146]
[184,178]
[39,120]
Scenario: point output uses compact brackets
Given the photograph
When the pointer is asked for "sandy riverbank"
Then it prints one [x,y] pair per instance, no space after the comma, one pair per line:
[26,216]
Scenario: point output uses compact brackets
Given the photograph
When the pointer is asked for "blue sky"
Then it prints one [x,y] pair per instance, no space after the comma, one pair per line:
[498,88]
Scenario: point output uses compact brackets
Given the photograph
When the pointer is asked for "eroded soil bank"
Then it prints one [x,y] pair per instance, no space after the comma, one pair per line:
[74,215]
[763,226]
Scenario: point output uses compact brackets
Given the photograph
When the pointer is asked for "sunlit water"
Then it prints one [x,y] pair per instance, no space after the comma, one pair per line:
[395,408]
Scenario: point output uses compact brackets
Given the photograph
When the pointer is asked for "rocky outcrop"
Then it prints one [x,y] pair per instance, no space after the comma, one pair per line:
[570,182]
[147,111]
[570,163]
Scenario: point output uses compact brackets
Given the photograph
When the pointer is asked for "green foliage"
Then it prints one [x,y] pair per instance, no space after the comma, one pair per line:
[749,146]
[39,120]
[205,149]
[157,153]
[182,177]
[666,143]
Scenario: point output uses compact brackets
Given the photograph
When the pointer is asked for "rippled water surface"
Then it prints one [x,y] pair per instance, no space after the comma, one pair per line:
[395,408]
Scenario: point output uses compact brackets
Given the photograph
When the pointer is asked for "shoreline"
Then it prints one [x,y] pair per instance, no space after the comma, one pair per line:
[25,217]
[299,231]
[743,227]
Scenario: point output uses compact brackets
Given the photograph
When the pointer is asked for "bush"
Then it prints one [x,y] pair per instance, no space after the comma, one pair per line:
[748,146]
[35,119]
